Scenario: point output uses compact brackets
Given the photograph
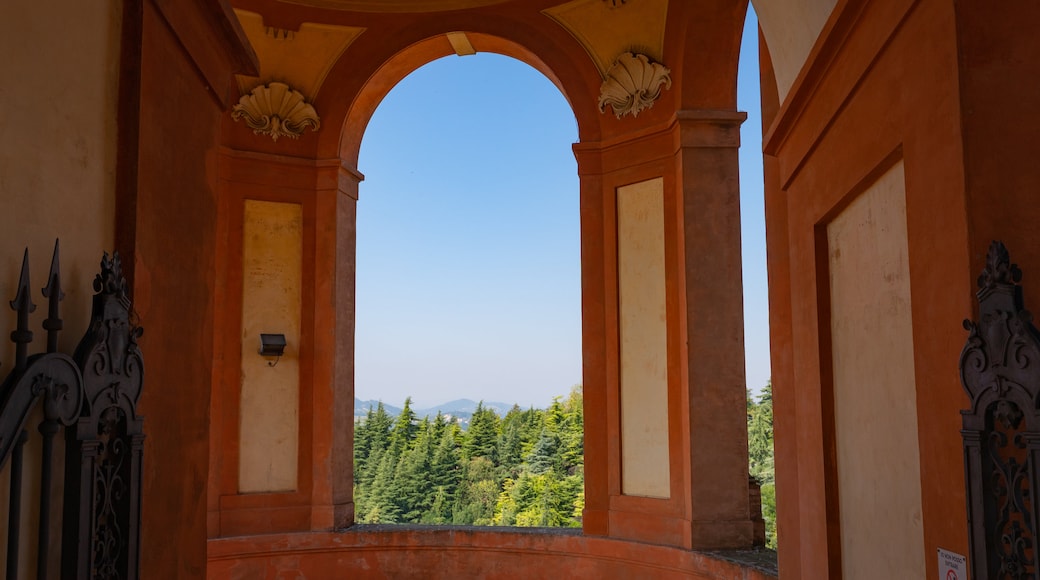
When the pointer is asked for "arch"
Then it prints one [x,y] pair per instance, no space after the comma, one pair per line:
[552,52]
[707,51]
[679,159]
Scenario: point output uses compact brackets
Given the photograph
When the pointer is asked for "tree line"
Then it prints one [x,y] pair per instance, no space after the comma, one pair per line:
[760,455]
[523,469]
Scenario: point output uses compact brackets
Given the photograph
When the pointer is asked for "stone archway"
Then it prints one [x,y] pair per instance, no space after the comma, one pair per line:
[666,445]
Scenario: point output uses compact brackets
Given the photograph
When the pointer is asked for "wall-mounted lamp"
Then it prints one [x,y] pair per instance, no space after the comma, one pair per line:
[272,345]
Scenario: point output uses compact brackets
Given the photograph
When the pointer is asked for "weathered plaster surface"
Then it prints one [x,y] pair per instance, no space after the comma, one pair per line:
[272,255]
[57,180]
[57,150]
[644,347]
[875,411]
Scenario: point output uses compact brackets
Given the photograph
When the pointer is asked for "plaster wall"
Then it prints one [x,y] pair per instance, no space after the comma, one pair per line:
[272,256]
[57,150]
[643,334]
[57,180]
[875,411]
[791,28]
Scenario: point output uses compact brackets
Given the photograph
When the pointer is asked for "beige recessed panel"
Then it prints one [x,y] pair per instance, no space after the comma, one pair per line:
[644,341]
[875,410]
[272,252]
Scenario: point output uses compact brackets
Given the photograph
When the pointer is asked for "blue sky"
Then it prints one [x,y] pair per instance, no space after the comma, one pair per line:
[468,261]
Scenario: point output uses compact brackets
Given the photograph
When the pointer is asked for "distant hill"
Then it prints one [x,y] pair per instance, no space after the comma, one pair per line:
[463,407]
[361,407]
[460,408]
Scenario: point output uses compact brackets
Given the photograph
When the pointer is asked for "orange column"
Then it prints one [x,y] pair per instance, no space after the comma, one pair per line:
[715,399]
[597,360]
[336,253]
[705,505]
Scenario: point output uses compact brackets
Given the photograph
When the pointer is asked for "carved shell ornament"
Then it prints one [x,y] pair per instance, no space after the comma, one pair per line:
[633,84]
[276,110]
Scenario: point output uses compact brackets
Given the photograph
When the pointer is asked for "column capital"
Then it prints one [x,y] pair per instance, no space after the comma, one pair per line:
[337,174]
[709,127]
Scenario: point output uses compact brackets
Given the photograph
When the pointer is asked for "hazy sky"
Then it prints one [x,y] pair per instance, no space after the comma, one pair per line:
[468,261]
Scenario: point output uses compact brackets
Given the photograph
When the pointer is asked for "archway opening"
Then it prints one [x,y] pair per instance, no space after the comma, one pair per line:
[756,301]
[468,301]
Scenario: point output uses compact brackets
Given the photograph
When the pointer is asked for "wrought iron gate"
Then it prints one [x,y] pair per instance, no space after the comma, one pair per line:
[93,395]
[1000,371]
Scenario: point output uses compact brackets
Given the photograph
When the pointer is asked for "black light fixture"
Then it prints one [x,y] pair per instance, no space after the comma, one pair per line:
[272,345]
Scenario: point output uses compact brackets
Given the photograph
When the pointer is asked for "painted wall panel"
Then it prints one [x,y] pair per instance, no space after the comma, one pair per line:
[875,394]
[272,255]
[644,348]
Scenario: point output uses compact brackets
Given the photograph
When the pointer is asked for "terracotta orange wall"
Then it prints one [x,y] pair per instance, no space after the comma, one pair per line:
[188,53]
[999,94]
[880,86]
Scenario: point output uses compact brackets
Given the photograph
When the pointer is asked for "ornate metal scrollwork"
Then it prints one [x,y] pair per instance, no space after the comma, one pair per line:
[111,488]
[94,395]
[104,454]
[1000,372]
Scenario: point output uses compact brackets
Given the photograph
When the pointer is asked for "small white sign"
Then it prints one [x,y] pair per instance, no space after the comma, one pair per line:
[952,566]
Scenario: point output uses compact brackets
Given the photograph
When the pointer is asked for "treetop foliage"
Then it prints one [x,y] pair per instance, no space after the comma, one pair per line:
[760,455]
[523,469]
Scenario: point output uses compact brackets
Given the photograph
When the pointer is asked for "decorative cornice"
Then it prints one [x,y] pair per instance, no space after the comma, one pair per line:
[279,33]
[633,84]
[276,110]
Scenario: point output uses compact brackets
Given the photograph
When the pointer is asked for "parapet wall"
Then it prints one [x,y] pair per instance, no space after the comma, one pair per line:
[457,552]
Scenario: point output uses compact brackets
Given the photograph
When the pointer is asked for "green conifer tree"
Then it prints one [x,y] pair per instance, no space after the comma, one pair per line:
[482,436]
[404,430]
[545,455]
[510,443]
[412,486]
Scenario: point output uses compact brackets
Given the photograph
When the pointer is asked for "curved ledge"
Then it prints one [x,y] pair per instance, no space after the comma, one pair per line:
[456,552]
